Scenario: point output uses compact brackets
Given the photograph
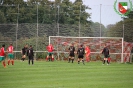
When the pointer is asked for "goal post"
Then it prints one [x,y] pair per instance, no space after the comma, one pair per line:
[96,44]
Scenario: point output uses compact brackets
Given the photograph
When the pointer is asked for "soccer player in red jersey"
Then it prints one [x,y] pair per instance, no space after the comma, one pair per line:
[87,51]
[10,50]
[2,55]
[50,55]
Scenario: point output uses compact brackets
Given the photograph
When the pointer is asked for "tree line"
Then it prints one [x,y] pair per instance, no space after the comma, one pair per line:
[51,16]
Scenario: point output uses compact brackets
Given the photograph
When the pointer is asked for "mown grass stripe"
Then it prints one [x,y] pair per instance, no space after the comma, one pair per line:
[60,74]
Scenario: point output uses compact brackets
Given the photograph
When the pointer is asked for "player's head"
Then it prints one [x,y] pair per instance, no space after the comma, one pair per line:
[81,45]
[105,45]
[26,46]
[3,45]
[72,44]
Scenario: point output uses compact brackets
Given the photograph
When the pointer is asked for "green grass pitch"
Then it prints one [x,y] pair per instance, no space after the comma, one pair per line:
[60,74]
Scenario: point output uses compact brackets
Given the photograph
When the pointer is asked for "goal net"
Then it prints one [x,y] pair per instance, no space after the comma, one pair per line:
[96,44]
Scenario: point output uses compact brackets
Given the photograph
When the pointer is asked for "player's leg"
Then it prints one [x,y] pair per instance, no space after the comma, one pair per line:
[9,56]
[8,61]
[105,58]
[79,59]
[83,60]
[32,59]
[107,61]
[12,59]
[52,57]
[29,60]
[72,59]
[3,61]
[47,57]
[69,59]
[22,58]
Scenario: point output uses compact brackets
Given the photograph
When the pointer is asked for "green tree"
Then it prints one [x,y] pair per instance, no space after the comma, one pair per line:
[123,28]
[2,17]
[130,15]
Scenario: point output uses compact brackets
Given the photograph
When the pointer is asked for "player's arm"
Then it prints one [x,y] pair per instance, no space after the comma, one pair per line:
[7,50]
[21,51]
[102,51]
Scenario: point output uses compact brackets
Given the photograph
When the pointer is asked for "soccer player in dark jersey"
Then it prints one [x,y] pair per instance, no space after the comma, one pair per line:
[24,51]
[71,53]
[30,54]
[81,52]
[105,52]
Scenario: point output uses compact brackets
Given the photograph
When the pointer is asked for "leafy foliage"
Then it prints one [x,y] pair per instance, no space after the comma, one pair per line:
[123,28]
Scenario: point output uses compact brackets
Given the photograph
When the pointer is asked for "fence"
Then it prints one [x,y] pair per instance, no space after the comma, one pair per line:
[20,30]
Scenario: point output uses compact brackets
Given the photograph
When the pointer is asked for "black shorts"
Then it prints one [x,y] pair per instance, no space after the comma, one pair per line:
[71,55]
[80,56]
[106,56]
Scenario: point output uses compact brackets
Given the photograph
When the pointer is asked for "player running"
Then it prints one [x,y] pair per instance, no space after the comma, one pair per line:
[2,55]
[50,55]
[10,50]
[81,52]
[71,53]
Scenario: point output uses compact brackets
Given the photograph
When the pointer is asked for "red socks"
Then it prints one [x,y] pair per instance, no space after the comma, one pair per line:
[46,59]
[52,59]
[10,61]
[4,64]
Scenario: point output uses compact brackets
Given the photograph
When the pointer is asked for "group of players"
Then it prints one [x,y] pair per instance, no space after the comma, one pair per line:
[80,52]
[9,53]
[30,53]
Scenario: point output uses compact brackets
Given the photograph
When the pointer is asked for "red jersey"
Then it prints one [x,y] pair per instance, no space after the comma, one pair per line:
[50,48]
[2,52]
[10,49]
[87,51]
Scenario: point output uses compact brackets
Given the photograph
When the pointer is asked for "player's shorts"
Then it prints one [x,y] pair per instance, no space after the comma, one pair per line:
[106,56]
[50,53]
[80,56]
[2,58]
[10,56]
[71,55]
